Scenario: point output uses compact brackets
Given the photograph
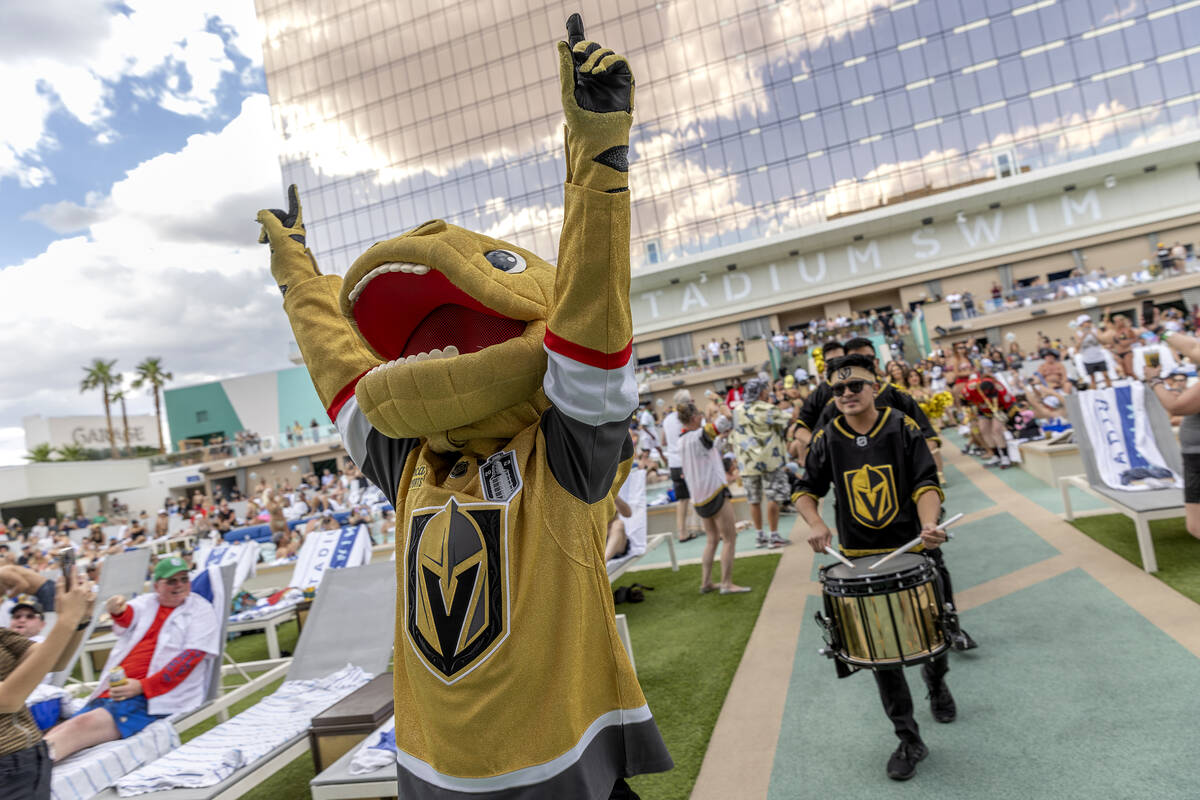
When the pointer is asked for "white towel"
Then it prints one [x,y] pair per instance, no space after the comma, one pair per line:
[216,754]
[377,752]
[263,609]
[91,771]
[1127,456]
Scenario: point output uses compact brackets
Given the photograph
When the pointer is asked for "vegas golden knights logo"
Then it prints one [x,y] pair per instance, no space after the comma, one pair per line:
[872,494]
[457,614]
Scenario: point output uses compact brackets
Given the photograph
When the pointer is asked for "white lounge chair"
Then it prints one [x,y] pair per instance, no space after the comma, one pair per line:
[313,561]
[327,645]
[339,782]
[1140,506]
[123,574]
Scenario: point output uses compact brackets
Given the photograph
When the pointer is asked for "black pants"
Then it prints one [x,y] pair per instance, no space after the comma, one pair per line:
[25,774]
[622,791]
[893,688]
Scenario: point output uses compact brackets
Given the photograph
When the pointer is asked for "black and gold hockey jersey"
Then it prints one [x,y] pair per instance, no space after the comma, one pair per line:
[876,479]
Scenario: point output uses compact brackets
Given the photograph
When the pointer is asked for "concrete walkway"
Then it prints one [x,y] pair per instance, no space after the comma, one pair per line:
[1086,683]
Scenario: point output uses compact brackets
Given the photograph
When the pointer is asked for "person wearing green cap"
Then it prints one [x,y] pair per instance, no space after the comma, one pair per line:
[167,642]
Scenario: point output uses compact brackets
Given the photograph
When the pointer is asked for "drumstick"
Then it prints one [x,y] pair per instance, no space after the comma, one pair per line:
[916,542]
[839,556]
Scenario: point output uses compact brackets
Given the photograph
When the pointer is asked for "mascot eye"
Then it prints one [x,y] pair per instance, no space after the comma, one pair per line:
[505,260]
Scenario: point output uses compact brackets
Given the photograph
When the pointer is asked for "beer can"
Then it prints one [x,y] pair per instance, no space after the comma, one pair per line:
[116,677]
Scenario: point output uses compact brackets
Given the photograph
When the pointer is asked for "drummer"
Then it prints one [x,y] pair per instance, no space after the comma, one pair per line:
[886,493]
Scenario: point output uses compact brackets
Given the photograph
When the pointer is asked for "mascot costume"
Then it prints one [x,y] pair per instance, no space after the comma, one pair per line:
[488,394]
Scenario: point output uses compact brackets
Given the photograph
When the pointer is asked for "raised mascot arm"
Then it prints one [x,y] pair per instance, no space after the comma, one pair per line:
[589,339]
[333,352]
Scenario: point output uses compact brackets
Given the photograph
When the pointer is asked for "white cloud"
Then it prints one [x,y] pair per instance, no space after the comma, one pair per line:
[171,268]
[66,216]
[67,55]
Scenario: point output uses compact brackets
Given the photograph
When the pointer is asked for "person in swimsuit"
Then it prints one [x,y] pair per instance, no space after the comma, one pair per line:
[1091,351]
[1119,336]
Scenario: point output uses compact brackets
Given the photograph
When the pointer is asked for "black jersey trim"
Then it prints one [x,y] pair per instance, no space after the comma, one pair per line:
[584,458]
[883,415]
[617,751]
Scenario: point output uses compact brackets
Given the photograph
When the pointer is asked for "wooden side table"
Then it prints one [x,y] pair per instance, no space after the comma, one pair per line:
[337,729]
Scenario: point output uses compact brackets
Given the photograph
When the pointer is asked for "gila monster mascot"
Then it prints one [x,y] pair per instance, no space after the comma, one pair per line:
[488,395]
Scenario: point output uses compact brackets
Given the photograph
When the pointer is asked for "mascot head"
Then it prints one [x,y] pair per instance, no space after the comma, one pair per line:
[458,319]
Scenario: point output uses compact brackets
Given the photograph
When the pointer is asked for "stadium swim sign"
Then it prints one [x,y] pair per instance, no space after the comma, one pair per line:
[955,240]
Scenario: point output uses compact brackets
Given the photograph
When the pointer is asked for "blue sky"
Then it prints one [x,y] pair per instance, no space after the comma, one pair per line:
[135,150]
[140,130]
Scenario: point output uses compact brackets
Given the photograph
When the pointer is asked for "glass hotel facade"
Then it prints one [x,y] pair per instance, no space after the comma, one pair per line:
[755,121]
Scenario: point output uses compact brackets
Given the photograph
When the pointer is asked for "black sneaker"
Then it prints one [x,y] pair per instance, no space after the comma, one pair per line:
[903,763]
[961,640]
[941,702]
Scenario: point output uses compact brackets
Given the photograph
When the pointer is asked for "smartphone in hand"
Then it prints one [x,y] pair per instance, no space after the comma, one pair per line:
[66,560]
[1147,313]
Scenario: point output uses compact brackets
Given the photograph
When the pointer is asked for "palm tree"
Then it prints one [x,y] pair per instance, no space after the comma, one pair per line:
[150,373]
[40,453]
[119,394]
[100,376]
[71,452]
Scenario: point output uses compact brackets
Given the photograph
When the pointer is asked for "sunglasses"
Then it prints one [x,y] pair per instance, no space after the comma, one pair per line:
[853,387]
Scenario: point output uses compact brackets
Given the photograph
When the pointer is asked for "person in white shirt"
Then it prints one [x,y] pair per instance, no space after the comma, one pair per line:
[704,471]
[672,430]
[167,641]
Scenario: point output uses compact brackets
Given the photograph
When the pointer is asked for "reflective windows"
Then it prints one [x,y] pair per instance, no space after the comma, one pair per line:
[749,120]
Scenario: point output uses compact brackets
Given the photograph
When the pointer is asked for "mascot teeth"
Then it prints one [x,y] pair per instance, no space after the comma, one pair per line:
[449,351]
[391,266]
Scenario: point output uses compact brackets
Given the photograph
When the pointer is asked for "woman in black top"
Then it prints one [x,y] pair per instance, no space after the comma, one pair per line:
[24,762]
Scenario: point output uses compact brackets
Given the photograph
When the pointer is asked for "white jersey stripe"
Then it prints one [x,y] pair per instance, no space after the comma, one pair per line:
[589,394]
[353,426]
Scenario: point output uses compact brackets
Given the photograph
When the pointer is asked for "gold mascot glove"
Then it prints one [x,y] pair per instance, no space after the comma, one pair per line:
[333,352]
[597,99]
[291,260]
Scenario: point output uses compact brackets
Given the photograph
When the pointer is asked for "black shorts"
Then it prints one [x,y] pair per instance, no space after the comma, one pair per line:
[711,508]
[26,773]
[679,484]
[1191,477]
[1092,367]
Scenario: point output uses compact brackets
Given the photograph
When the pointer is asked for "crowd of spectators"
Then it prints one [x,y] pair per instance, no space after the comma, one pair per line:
[967,386]
[1169,261]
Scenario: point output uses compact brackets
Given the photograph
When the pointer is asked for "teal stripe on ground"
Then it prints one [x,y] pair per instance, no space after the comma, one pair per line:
[962,495]
[991,548]
[661,555]
[1072,694]
[1048,497]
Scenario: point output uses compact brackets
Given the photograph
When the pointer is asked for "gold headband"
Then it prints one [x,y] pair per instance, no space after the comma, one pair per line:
[853,373]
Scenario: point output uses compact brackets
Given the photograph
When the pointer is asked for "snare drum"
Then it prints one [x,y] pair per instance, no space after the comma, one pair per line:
[891,617]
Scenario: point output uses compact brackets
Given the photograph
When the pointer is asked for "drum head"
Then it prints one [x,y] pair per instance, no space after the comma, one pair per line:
[902,563]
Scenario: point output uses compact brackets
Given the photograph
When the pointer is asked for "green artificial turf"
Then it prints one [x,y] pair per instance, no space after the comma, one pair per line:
[687,648]
[1178,552]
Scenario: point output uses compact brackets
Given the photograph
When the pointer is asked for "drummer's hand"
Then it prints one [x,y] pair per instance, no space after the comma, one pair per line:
[820,537]
[931,536]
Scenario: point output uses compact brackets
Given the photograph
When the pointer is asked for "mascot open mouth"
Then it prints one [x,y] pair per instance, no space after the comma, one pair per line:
[410,312]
